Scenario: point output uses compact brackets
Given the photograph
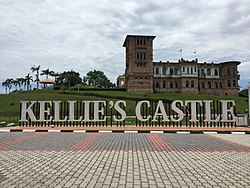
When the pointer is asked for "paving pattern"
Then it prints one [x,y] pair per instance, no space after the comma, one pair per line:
[123,160]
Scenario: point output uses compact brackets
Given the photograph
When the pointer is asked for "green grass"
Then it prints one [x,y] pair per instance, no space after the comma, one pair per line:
[9,104]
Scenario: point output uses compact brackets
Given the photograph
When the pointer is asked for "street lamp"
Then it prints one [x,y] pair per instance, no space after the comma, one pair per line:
[248,87]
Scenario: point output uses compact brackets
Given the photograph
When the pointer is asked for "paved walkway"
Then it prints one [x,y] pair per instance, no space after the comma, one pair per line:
[123,160]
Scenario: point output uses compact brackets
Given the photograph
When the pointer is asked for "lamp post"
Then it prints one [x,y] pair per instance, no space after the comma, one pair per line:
[248,87]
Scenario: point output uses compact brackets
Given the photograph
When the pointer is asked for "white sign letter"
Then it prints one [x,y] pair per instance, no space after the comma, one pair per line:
[138,111]
[44,111]
[208,112]
[98,111]
[28,110]
[120,111]
[162,112]
[226,113]
[193,109]
[177,110]
[72,111]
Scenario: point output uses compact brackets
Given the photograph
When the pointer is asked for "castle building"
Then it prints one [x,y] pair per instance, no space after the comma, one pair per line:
[142,75]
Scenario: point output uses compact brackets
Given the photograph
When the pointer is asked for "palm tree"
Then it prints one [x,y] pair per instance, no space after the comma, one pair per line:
[19,82]
[5,84]
[48,73]
[28,79]
[9,83]
[33,69]
[15,83]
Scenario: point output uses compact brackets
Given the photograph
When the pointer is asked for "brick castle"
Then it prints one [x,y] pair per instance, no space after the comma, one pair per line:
[143,75]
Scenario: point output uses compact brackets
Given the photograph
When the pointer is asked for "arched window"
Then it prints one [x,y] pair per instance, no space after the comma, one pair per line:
[175,71]
[191,70]
[202,85]
[157,85]
[220,85]
[171,85]
[208,71]
[187,83]
[192,83]
[216,85]
[164,70]
[171,71]
[176,84]
[157,70]
[234,83]
[164,84]
[209,85]
[228,83]
[202,72]
[216,72]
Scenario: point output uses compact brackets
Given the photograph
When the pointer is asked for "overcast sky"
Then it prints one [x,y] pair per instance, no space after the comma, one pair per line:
[84,35]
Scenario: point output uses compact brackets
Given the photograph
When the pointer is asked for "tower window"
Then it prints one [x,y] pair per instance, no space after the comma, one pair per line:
[140,41]
[228,83]
[234,83]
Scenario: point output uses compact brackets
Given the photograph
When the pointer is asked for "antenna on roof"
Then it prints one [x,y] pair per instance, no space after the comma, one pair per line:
[180,52]
[195,55]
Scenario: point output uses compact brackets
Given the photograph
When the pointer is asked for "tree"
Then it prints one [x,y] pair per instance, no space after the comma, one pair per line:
[98,79]
[48,73]
[5,84]
[33,69]
[28,79]
[8,84]
[15,83]
[69,78]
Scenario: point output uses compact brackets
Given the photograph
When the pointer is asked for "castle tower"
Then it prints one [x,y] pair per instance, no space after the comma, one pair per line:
[139,63]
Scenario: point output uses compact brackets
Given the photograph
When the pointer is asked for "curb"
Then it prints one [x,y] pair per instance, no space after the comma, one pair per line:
[126,131]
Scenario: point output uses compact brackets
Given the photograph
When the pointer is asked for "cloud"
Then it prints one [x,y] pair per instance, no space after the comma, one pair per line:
[86,35]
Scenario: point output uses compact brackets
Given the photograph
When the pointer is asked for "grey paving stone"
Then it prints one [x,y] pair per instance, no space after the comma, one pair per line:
[193,160]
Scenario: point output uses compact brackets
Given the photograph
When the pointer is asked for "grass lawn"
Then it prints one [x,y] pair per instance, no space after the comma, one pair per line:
[9,104]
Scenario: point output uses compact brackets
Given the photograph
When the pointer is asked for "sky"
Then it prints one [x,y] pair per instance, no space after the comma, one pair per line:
[85,35]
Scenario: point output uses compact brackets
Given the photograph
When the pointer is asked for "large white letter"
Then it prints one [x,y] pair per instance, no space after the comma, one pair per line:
[193,109]
[162,112]
[57,112]
[177,110]
[44,111]
[25,110]
[98,111]
[208,112]
[72,111]
[227,112]
[86,105]
[138,111]
[120,111]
